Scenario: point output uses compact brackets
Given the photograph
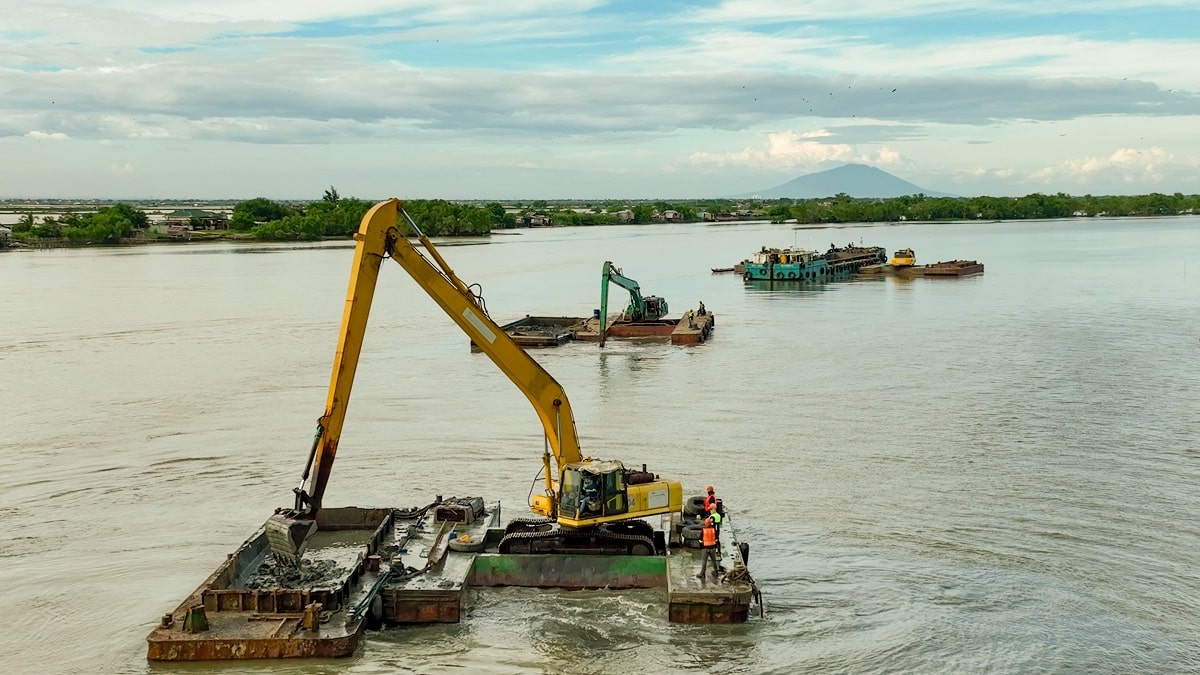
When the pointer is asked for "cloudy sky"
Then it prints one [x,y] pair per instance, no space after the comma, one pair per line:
[483,99]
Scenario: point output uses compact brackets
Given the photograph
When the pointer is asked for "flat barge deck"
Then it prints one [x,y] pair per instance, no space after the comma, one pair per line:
[550,331]
[691,328]
[543,331]
[371,567]
[247,610]
[951,268]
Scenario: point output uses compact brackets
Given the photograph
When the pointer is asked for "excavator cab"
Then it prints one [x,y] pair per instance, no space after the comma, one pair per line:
[656,308]
[593,490]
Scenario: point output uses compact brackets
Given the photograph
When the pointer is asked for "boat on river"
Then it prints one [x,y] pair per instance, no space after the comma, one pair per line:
[797,264]
[954,268]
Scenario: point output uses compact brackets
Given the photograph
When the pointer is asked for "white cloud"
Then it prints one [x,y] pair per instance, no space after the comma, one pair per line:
[888,157]
[44,136]
[781,150]
[220,11]
[1124,164]
[858,59]
[745,88]
[786,10]
[789,150]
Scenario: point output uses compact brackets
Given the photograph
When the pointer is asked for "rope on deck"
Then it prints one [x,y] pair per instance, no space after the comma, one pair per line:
[741,573]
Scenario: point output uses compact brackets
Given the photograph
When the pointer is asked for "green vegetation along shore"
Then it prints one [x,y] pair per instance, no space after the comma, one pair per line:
[335,217]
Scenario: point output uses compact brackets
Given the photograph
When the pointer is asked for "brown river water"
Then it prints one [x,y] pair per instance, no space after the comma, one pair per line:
[991,474]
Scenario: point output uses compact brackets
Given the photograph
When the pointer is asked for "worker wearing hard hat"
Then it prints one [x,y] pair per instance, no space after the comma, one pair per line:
[712,547]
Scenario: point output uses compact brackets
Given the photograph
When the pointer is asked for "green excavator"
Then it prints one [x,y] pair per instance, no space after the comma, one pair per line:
[641,308]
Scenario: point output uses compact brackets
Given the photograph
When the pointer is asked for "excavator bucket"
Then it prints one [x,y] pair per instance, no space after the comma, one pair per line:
[288,536]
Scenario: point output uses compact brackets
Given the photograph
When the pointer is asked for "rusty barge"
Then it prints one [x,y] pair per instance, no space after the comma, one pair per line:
[691,328]
[645,317]
[313,578]
[951,268]
[373,568]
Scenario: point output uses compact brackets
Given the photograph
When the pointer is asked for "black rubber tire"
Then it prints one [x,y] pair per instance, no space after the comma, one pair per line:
[693,543]
[694,506]
[692,532]
[374,614]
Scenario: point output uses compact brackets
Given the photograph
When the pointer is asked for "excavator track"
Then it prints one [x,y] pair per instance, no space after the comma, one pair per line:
[637,527]
[590,541]
[521,525]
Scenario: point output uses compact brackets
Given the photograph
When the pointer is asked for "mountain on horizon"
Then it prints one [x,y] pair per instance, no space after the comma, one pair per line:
[856,180]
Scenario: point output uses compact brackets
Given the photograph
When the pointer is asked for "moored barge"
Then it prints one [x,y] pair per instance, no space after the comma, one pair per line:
[954,268]
[802,265]
[369,568]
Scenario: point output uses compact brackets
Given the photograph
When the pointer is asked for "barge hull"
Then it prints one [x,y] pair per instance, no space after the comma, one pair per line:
[228,618]
[541,331]
[225,618]
[692,328]
[954,268]
[797,265]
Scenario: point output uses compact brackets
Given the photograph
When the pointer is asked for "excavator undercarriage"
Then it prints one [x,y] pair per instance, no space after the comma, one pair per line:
[627,537]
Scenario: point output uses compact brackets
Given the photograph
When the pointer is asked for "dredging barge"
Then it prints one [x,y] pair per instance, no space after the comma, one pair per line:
[313,578]
[644,317]
[371,569]
[692,327]
[904,264]
[802,265]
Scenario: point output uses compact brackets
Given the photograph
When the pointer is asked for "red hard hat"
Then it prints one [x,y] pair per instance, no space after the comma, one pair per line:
[709,488]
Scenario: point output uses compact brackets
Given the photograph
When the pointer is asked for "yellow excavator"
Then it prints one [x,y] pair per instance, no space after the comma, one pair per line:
[588,505]
[904,258]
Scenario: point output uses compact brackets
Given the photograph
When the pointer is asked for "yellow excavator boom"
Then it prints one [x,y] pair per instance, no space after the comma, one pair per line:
[380,236]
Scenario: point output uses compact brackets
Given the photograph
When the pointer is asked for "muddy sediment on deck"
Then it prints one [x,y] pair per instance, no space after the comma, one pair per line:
[309,574]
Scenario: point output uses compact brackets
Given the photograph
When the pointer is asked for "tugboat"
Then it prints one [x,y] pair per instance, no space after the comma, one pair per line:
[904,258]
[796,264]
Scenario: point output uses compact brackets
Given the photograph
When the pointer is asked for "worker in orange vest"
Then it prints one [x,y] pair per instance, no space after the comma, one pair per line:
[711,549]
[710,500]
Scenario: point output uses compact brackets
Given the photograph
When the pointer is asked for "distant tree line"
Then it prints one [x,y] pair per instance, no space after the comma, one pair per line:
[336,217]
[263,219]
[108,225]
[842,208]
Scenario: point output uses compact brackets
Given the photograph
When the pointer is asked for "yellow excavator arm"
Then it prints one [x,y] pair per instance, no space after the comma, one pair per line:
[379,236]
[580,493]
